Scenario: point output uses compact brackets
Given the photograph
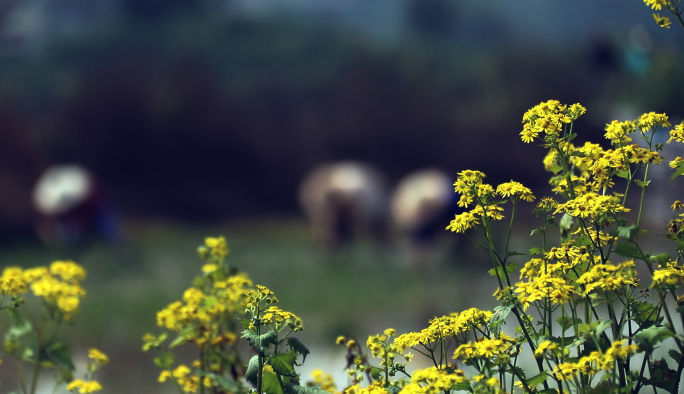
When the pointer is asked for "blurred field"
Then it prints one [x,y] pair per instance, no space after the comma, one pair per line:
[359,291]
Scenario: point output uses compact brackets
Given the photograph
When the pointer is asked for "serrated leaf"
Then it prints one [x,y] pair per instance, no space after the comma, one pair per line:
[164,360]
[645,314]
[282,363]
[270,383]
[260,342]
[565,322]
[296,389]
[297,346]
[649,337]
[626,232]
[539,379]
[582,240]
[628,250]
[252,370]
[59,354]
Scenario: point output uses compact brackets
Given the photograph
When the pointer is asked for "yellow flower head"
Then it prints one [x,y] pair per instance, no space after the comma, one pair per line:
[662,21]
[98,356]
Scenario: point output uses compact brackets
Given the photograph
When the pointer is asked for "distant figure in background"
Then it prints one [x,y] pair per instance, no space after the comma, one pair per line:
[422,205]
[72,207]
[344,200]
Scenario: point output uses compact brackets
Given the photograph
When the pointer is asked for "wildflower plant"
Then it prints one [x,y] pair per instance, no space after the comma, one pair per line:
[585,322]
[216,312]
[33,337]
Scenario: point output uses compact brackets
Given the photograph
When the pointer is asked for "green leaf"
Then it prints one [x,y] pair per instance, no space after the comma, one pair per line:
[270,383]
[19,329]
[283,363]
[602,326]
[245,323]
[662,376]
[565,322]
[628,250]
[661,259]
[209,303]
[642,184]
[177,342]
[510,267]
[59,354]
[260,342]
[556,169]
[252,370]
[464,386]
[626,232]
[582,240]
[679,171]
[296,389]
[223,382]
[648,338]
[578,154]
[675,355]
[539,230]
[164,360]
[535,251]
[499,318]
[539,379]
[604,387]
[548,391]
[645,314]
[509,254]
[297,346]
[623,174]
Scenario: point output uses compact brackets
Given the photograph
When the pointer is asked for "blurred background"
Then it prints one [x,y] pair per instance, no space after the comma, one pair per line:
[178,119]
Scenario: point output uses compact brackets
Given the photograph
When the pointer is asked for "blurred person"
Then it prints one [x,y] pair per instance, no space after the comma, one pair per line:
[71,206]
[422,205]
[344,200]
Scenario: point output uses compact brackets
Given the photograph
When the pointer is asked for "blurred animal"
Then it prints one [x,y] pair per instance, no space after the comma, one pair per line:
[344,200]
[422,205]
[72,206]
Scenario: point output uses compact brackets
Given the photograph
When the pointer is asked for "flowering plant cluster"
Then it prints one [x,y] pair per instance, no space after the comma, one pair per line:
[34,340]
[221,307]
[585,322]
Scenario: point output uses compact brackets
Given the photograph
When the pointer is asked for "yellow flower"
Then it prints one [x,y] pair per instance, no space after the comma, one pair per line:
[677,205]
[84,387]
[675,163]
[662,21]
[656,4]
[98,356]
[340,340]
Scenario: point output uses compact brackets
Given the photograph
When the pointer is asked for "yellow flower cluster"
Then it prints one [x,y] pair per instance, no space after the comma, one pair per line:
[433,380]
[596,361]
[59,285]
[652,120]
[83,386]
[276,316]
[185,379]
[677,134]
[375,388]
[609,277]
[498,349]
[656,4]
[199,308]
[592,205]
[445,327]
[470,185]
[549,118]
[323,380]
[218,247]
[671,275]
